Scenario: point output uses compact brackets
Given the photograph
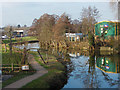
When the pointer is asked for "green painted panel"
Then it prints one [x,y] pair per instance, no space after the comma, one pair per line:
[105,29]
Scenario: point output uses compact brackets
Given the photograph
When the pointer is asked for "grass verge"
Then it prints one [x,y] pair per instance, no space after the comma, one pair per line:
[19,39]
[55,78]
[15,58]
[17,76]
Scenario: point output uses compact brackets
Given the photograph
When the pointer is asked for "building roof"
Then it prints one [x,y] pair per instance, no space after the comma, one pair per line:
[113,21]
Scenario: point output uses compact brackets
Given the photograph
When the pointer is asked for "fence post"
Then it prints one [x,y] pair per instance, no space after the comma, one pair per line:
[19,67]
[12,66]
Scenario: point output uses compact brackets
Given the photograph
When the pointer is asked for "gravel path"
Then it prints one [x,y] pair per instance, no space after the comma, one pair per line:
[39,72]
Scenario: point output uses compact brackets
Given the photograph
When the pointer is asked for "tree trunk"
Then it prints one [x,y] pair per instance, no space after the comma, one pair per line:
[5,48]
[24,56]
[10,45]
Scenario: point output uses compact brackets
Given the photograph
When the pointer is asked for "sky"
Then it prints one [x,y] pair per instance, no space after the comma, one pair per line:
[23,13]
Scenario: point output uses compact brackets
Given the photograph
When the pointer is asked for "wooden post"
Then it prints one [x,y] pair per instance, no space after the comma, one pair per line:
[56,44]
[71,38]
[41,56]
[5,48]
[12,67]
[19,67]
[75,39]
[79,39]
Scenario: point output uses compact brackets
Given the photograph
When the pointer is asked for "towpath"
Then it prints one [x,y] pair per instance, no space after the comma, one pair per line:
[39,72]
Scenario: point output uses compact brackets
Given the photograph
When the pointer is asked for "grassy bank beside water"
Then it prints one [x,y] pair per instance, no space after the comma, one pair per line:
[55,78]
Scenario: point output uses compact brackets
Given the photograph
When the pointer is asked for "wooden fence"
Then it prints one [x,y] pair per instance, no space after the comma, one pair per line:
[11,67]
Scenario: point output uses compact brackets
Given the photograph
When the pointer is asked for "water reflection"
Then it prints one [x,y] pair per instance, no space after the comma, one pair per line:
[31,46]
[95,71]
[108,64]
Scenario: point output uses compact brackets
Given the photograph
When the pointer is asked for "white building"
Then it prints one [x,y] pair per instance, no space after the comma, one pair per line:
[74,36]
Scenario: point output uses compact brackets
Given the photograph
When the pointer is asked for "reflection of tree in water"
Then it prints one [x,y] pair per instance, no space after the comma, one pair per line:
[86,71]
[110,80]
[91,79]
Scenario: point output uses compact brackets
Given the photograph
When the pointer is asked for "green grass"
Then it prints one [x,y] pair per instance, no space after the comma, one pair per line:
[15,58]
[52,62]
[55,70]
[44,81]
[41,82]
[16,77]
[28,38]
[54,75]
[8,41]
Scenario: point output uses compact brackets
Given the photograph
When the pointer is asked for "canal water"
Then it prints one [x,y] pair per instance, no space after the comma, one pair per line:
[89,70]
[94,72]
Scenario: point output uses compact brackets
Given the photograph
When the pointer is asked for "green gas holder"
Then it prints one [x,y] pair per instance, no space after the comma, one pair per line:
[107,29]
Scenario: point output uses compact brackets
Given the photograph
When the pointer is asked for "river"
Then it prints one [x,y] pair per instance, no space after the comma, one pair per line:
[90,70]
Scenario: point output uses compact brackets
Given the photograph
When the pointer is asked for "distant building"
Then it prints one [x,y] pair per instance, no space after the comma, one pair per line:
[20,32]
[2,33]
[107,29]
[74,36]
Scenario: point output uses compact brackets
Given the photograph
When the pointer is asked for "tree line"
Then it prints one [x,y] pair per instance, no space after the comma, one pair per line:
[53,27]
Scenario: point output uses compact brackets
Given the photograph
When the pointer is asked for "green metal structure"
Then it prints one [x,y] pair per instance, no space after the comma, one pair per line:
[107,29]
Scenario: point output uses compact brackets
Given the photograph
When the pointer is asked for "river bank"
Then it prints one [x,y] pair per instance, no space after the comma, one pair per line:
[56,76]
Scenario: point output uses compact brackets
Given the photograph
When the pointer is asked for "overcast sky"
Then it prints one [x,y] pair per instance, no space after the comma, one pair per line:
[23,13]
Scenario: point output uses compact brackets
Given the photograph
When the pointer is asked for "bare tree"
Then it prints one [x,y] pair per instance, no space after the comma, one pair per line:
[62,25]
[76,26]
[89,17]
[115,7]
[43,26]
[9,31]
